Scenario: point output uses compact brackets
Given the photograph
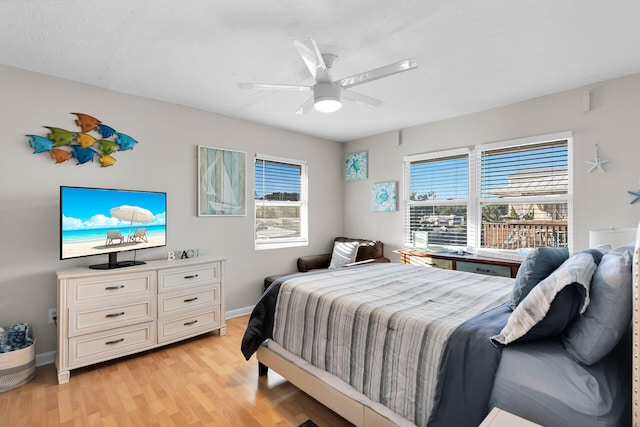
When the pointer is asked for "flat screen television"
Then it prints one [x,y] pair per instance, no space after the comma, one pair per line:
[99,221]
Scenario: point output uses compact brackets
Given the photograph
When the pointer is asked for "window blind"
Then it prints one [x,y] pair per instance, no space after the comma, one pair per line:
[436,201]
[532,170]
[277,181]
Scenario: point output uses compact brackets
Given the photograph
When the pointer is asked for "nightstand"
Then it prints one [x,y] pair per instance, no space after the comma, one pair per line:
[501,418]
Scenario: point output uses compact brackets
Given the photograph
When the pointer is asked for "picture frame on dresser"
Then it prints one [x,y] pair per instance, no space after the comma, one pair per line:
[106,314]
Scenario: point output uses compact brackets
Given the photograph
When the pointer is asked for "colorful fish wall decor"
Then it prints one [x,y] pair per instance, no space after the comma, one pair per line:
[93,139]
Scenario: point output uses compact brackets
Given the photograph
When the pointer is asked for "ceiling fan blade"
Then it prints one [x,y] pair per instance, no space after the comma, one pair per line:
[378,73]
[270,86]
[306,107]
[361,99]
[308,50]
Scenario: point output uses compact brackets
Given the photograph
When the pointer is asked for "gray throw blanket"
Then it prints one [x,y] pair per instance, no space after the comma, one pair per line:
[16,337]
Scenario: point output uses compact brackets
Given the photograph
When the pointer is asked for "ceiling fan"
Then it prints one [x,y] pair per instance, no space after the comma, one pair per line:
[327,93]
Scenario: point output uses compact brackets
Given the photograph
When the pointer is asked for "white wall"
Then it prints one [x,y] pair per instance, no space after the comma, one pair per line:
[164,160]
[600,199]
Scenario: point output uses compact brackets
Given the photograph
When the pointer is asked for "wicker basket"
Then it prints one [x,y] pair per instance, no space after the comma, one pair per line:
[17,367]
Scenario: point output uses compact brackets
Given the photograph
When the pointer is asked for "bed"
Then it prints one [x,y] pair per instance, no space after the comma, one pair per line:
[394,344]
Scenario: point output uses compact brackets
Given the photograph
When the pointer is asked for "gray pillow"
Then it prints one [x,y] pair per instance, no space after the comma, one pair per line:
[343,253]
[591,337]
[537,265]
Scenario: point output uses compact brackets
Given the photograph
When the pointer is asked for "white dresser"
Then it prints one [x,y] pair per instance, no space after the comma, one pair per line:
[104,314]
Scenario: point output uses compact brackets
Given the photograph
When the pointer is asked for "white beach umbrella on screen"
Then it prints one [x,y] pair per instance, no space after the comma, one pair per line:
[132,214]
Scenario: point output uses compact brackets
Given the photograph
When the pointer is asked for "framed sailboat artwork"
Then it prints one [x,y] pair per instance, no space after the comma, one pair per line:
[222,182]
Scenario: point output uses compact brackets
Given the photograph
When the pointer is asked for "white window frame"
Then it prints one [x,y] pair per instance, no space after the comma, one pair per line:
[284,242]
[407,160]
[475,202]
[474,235]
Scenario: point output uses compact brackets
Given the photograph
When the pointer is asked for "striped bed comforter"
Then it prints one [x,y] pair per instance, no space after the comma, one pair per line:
[384,328]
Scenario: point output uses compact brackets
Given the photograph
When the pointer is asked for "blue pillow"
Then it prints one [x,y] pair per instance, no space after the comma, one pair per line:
[537,266]
[598,331]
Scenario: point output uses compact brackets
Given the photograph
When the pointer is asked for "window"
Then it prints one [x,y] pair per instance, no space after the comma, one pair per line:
[524,195]
[517,195]
[438,198]
[280,197]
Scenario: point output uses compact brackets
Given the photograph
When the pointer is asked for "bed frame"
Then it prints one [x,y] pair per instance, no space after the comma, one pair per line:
[359,412]
[635,384]
[362,411]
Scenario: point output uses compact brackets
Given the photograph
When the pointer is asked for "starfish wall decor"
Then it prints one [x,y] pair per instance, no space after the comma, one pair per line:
[597,162]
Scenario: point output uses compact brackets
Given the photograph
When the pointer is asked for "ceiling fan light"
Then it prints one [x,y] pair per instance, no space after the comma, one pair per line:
[327,105]
[327,97]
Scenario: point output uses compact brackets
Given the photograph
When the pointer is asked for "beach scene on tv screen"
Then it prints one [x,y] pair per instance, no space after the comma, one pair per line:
[96,221]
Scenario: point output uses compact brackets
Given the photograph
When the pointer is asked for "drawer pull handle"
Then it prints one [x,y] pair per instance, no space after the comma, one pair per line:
[191,276]
[113,288]
[115,314]
[114,341]
[193,322]
[191,299]
[484,270]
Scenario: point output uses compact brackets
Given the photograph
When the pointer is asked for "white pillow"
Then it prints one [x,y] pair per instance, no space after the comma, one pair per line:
[343,253]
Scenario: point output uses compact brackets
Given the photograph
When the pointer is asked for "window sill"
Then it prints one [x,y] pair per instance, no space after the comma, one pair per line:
[279,245]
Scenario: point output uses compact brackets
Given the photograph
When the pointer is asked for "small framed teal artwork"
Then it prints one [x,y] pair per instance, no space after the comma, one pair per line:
[384,196]
[356,166]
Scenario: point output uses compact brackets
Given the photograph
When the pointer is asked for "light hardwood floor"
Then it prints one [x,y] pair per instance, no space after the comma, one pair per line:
[204,381]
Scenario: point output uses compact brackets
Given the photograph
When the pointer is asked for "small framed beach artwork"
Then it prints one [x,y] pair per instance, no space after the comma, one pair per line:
[222,182]
[384,196]
[356,166]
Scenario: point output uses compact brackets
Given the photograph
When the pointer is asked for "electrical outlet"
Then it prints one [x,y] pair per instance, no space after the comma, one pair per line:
[53,315]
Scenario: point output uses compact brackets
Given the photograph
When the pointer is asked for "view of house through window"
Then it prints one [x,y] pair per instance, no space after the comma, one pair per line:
[509,195]
[280,196]
[524,196]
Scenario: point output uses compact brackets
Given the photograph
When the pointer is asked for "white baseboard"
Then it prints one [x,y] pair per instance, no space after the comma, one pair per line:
[49,356]
[45,358]
[238,312]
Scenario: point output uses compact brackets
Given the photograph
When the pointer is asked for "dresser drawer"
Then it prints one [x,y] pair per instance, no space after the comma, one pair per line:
[431,262]
[99,318]
[480,268]
[188,300]
[179,328]
[132,285]
[97,347]
[197,275]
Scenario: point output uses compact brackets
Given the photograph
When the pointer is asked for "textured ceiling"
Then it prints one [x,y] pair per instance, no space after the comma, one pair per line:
[471,55]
